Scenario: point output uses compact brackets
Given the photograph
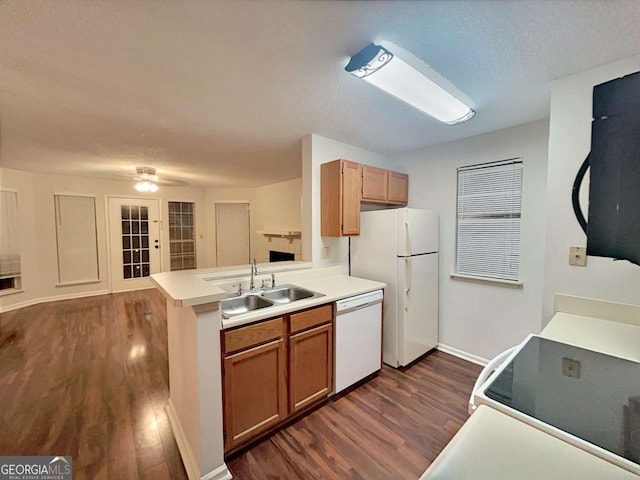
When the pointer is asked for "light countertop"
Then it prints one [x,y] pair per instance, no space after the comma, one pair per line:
[188,288]
[600,335]
[334,287]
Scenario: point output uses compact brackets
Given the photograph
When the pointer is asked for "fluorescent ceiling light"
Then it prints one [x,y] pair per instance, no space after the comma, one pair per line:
[381,68]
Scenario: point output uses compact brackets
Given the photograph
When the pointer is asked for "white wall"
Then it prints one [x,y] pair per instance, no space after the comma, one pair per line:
[478,318]
[317,150]
[569,144]
[38,233]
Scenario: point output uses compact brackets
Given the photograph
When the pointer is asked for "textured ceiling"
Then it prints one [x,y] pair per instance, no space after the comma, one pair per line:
[219,93]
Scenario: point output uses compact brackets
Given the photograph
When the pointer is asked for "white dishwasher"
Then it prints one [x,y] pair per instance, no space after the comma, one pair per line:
[358,338]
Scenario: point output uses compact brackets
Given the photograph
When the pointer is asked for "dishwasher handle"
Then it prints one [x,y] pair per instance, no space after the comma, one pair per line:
[358,301]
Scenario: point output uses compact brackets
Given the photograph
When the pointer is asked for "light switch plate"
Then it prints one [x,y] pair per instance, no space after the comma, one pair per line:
[324,253]
[570,367]
[578,256]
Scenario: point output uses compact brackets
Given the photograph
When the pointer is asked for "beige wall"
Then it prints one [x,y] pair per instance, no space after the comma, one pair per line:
[227,195]
[39,265]
[278,207]
[275,206]
[272,206]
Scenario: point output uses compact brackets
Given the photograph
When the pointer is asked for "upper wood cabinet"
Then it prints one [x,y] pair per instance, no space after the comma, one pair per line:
[344,185]
[340,185]
[398,188]
[384,186]
[375,183]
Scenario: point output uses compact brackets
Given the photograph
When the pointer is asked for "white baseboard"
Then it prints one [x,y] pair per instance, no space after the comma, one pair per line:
[456,352]
[220,473]
[188,456]
[53,298]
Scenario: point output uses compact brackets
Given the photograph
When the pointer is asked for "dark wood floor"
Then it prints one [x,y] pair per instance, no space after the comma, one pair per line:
[392,427]
[89,378]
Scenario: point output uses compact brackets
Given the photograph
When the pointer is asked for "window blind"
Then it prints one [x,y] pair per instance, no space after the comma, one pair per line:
[76,238]
[9,240]
[488,220]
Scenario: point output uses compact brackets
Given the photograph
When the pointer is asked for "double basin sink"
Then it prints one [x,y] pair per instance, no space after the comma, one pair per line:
[258,299]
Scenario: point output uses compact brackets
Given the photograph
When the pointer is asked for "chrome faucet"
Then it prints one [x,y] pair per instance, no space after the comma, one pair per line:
[254,271]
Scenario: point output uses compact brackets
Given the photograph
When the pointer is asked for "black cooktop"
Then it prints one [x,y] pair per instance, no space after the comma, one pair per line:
[590,395]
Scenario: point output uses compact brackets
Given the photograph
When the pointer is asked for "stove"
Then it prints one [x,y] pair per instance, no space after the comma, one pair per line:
[586,398]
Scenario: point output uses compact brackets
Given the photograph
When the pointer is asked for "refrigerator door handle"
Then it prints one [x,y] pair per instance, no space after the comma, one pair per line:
[408,237]
[407,262]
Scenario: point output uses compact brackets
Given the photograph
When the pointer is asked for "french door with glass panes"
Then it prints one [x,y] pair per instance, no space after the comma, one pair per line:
[134,232]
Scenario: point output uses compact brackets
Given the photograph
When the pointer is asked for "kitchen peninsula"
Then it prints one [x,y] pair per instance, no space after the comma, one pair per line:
[194,324]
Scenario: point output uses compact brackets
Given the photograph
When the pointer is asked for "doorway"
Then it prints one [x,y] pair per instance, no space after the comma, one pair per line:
[134,242]
[232,233]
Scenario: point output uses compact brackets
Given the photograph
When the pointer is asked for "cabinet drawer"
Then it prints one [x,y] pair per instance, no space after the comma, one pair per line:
[311,318]
[251,335]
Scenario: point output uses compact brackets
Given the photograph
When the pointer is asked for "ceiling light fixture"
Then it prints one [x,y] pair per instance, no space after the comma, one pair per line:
[146,186]
[146,180]
[387,71]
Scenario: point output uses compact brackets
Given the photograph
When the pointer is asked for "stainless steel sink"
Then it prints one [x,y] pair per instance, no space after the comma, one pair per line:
[243,304]
[289,293]
[257,299]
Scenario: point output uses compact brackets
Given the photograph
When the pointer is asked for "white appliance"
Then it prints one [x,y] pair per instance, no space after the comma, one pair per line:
[400,247]
[358,338]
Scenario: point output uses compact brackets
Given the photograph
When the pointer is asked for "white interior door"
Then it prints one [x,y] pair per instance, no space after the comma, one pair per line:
[232,234]
[134,242]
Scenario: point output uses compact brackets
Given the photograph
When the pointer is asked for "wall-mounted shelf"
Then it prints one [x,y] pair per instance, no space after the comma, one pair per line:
[272,233]
[280,233]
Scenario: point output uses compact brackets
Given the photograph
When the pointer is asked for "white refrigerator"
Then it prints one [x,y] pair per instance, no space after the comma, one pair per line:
[400,247]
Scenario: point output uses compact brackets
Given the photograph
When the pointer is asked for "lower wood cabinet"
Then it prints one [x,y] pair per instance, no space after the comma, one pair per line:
[273,369]
[254,380]
[310,358]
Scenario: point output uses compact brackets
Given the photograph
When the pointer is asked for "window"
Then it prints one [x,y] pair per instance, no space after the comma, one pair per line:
[488,220]
[10,277]
[182,243]
[76,238]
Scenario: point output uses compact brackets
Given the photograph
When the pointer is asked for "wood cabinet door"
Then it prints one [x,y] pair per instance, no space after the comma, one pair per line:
[310,366]
[255,393]
[398,189]
[350,198]
[374,183]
